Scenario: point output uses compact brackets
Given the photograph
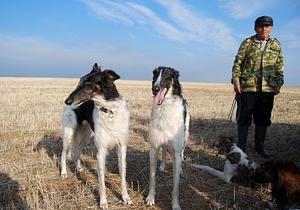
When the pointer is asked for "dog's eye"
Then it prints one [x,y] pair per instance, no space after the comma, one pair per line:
[168,75]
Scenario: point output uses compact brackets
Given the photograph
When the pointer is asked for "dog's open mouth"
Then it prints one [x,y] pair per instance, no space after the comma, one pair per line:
[77,104]
[160,96]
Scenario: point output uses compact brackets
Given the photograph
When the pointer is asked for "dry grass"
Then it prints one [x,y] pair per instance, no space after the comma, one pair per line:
[30,146]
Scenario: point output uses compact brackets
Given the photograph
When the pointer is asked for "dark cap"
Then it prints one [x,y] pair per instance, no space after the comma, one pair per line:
[264,21]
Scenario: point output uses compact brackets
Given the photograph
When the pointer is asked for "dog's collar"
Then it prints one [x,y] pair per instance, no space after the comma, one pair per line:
[106,110]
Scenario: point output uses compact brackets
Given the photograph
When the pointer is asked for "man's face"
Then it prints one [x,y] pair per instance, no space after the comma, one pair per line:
[263,32]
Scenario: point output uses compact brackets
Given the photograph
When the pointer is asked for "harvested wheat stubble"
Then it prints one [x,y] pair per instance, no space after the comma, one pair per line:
[30,145]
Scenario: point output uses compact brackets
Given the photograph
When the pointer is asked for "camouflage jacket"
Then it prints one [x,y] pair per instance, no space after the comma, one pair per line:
[258,70]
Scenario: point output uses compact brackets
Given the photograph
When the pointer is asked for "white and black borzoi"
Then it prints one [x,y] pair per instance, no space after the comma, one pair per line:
[169,126]
[95,107]
[237,168]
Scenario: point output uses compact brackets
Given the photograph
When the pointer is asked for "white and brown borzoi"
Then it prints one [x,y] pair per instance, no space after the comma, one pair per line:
[237,168]
[95,106]
[169,124]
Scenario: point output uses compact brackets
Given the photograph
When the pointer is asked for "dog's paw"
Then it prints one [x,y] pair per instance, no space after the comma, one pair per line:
[64,175]
[103,205]
[150,200]
[176,207]
[162,167]
[78,170]
[182,174]
[126,199]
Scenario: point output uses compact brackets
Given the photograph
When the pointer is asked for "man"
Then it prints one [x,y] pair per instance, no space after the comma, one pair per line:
[257,75]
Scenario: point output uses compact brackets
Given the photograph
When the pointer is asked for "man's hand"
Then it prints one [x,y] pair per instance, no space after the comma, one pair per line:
[277,91]
[237,88]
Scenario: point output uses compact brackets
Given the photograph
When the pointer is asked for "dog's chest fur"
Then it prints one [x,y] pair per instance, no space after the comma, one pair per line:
[113,123]
[167,120]
[170,113]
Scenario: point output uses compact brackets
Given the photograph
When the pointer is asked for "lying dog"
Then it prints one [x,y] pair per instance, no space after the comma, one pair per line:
[95,107]
[169,124]
[237,167]
[285,179]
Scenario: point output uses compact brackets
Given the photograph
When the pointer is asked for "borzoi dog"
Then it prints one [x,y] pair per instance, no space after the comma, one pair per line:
[169,126]
[237,168]
[96,106]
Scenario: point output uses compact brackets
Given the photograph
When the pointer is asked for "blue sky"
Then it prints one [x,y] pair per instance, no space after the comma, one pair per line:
[64,38]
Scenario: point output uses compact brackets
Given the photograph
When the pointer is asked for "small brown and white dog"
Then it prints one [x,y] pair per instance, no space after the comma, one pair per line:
[238,168]
[95,108]
[284,176]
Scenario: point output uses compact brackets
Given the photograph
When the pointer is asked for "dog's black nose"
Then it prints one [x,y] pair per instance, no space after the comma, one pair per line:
[68,101]
[155,89]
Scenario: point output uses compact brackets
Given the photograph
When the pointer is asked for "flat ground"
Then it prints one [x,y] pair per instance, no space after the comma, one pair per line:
[30,145]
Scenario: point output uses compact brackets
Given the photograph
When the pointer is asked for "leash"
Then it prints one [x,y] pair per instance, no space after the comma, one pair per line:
[235,99]
[233,105]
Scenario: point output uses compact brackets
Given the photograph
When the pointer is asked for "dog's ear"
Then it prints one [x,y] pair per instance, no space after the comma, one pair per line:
[96,68]
[176,84]
[176,74]
[234,157]
[107,84]
[111,75]
[155,73]
[224,145]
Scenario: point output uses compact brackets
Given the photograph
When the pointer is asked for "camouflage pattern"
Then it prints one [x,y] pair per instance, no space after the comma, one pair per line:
[261,70]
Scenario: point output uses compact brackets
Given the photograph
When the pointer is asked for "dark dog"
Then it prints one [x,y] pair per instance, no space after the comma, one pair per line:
[285,179]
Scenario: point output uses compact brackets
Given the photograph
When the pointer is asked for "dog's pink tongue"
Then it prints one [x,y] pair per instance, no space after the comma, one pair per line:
[160,96]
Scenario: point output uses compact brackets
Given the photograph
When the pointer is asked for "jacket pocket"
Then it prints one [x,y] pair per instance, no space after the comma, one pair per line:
[271,79]
[273,54]
[248,81]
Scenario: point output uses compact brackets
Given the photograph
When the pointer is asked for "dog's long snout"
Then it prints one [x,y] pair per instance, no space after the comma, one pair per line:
[155,89]
[69,101]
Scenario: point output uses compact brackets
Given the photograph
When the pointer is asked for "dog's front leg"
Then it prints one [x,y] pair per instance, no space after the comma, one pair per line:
[101,156]
[163,158]
[63,172]
[224,175]
[68,135]
[153,163]
[176,178]
[121,151]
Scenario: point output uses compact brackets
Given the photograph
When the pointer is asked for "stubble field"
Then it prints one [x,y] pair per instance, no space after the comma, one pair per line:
[30,147]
